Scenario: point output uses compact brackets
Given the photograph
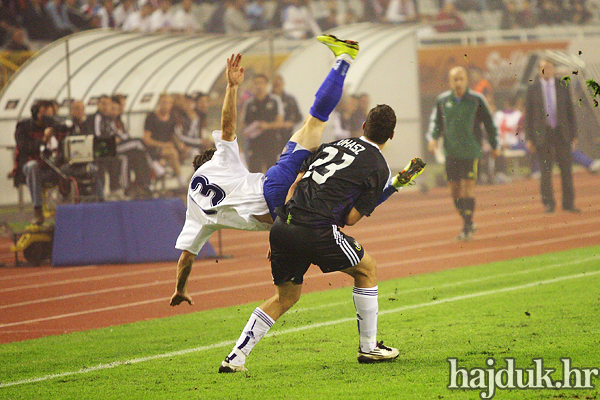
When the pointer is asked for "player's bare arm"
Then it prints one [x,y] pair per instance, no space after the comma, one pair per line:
[184,268]
[353,217]
[235,76]
[293,187]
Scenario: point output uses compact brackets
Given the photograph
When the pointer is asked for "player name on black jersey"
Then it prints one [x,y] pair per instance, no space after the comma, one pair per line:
[351,145]
[339,176]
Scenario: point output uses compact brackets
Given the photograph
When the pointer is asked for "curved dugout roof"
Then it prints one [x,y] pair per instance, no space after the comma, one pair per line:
[141,66]
[386,68]
[88,64]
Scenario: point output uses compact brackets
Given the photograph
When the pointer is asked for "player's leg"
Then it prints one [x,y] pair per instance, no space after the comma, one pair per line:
[280,177]
[329,93]
[463,192]
[261,320]
[287,269]
[365,297]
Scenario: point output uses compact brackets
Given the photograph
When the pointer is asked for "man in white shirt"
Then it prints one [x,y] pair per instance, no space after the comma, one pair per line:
[184,18]
[224,194]
[139,21]
[161,19]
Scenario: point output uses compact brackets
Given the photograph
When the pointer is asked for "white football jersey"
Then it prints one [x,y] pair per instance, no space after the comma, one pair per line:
[222,194]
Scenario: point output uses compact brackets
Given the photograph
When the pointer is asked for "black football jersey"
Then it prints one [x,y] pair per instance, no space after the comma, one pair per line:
[339,175]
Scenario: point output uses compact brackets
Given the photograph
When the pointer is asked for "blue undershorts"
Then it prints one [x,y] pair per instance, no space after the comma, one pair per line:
[280,176]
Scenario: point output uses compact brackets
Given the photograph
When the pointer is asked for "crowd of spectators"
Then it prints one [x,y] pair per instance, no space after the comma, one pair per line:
[174,132]
[23,21]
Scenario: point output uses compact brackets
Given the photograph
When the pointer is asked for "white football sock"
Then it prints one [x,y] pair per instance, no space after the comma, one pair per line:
[346,58]
[258,325]
[367,308]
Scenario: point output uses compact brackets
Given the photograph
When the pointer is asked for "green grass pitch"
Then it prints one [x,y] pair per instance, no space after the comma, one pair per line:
[539,307]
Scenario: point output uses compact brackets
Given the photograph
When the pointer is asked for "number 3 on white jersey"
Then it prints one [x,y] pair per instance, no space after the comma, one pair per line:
[329,169]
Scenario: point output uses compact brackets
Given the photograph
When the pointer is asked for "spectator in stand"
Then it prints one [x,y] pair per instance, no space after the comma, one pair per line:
[106,15]
[196,135]
[449,20]
[184,18]
[122,12]
[399,11]
[76,117]
[580,15]
[291,111]
[60,18]
[139,21]
[18,41]
[326,13]
[364,103]
[187,128]
[511,135]
[8,23]
[526,17]
[33,136]
[262,117]
[102,126]
[160,139]
[37,22]
[510,15]
[373,11]
[298,22]
[256,13]
[550,12]
[481,84]
[215,22]
[76,16]
[133,153]
[162,19]
[234,17]
[90,9]
[352,116]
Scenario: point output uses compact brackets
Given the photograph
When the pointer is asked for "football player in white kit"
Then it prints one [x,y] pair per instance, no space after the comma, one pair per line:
[224,194]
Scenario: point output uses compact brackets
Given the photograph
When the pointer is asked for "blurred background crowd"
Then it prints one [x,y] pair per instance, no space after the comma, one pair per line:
[27,24]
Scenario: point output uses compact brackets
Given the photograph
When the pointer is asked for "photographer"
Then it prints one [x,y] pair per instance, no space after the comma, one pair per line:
[36,138]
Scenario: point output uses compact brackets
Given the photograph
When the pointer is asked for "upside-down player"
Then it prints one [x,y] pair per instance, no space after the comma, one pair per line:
[223,194]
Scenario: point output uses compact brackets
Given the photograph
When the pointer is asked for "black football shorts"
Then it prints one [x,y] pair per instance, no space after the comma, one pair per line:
[294,248]
[461,168]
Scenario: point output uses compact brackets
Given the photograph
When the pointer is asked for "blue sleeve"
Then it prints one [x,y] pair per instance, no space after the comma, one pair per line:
[387,192]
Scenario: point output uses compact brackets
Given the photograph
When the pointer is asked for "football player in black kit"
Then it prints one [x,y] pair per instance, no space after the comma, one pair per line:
[338,185]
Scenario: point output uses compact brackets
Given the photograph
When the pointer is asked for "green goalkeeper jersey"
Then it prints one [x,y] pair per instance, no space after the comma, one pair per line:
[459,122]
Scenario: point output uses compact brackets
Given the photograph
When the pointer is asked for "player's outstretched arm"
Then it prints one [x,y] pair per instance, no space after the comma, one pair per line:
[404,178]
[292,188]
[184,268]
[235,76]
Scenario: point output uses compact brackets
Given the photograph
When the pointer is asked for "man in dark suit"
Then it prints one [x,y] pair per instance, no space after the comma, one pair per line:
[550,127]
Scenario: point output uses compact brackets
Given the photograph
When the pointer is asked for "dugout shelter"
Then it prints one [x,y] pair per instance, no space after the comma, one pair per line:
[142,66]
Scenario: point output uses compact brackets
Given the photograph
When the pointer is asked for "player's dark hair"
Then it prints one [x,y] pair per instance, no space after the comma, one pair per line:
[203,157]
[380,123]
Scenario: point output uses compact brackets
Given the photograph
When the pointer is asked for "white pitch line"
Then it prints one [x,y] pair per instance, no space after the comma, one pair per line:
[294,330]
[258,284]
[422,245]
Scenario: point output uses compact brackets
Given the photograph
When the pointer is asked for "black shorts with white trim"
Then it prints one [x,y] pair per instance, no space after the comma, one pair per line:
[294,248]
